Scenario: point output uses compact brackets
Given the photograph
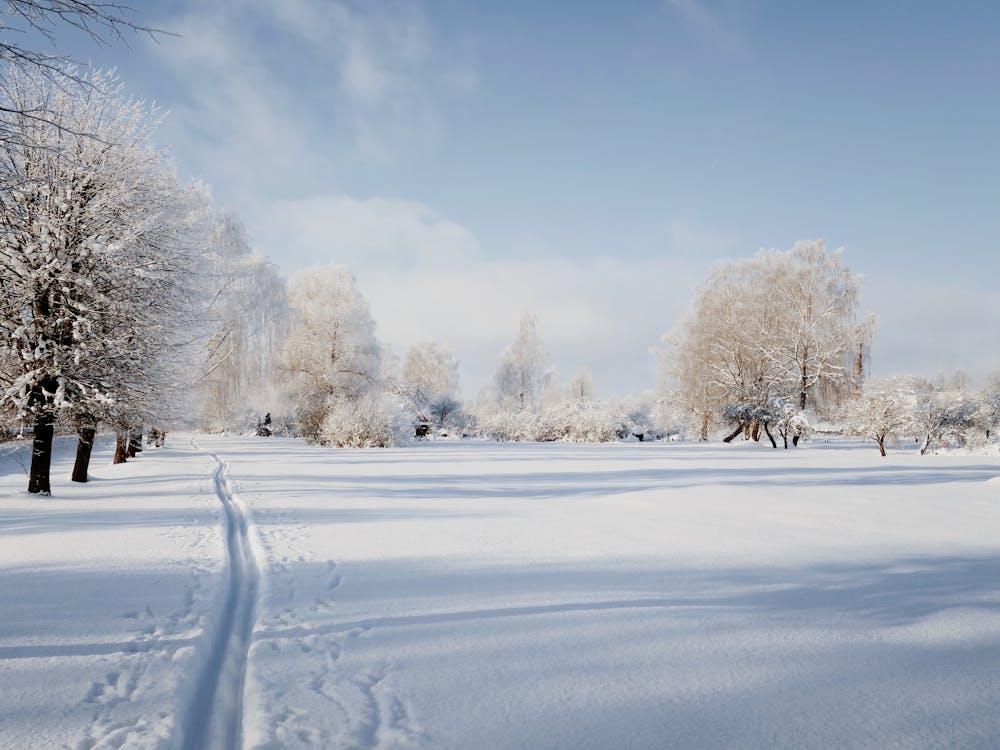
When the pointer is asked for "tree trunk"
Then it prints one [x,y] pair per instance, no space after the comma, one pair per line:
[121,449]
[704,426]
[134,443]
[41,454]
[795,440]
[881,446]
[729,438]
[804,380]
[770,436]
[755,430]
[784,438]
[84,447]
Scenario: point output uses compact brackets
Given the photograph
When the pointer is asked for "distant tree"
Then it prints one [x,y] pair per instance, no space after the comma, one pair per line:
[518,378]
[884,409]
[989,404]
[581,386]
[818,299]
[248,318]
[445,411]
[430,377]
[331,355]
[944,416]
[779,325]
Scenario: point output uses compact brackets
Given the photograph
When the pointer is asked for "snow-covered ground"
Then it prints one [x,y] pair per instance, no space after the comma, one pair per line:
[478,595]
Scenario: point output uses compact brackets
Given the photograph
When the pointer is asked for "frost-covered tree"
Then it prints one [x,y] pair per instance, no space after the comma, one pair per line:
[519,375]
[989,404]
[581,386]
[248,317]
[94,259]
[430,381]
[24,19]
[779,325]
[331,358]
[818,301]
[884,409]
[947,413]
[721,357]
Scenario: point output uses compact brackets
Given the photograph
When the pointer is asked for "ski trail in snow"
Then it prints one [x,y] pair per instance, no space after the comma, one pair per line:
[215,716]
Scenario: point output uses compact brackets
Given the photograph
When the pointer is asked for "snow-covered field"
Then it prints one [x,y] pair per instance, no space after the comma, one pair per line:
[241,592]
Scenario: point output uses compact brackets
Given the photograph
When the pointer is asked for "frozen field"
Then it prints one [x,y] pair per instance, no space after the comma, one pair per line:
[240,592]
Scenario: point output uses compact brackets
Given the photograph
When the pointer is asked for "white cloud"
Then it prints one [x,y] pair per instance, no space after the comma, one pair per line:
[374,233]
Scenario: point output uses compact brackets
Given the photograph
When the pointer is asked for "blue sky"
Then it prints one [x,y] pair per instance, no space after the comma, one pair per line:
[590,161]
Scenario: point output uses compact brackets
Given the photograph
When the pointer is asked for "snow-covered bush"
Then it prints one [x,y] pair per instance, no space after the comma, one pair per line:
[789,421]
[371,421]
[571,421]
[507,424]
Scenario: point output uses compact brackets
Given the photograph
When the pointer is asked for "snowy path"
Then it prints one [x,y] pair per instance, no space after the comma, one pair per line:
[215,716]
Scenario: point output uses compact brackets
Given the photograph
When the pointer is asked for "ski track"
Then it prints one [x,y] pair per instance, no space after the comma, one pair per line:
[215,716]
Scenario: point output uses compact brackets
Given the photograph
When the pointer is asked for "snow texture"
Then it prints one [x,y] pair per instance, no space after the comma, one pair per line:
[475,594]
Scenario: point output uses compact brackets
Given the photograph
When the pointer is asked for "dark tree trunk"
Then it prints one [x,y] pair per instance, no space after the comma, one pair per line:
[84,447]
[804,380]
[729,438]
[770,436]
[755,430]
[795,440]
[134,443]
[41,454]
[881,446]
[784,437]
[704,426]
[121,449]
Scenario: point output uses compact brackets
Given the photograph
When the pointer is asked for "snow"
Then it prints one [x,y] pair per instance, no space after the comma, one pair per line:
[476,594]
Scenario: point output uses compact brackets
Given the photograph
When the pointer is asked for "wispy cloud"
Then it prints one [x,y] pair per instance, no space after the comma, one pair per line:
[283,95]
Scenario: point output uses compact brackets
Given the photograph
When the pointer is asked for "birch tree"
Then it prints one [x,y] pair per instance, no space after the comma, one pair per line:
[248,321]
[518,378]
